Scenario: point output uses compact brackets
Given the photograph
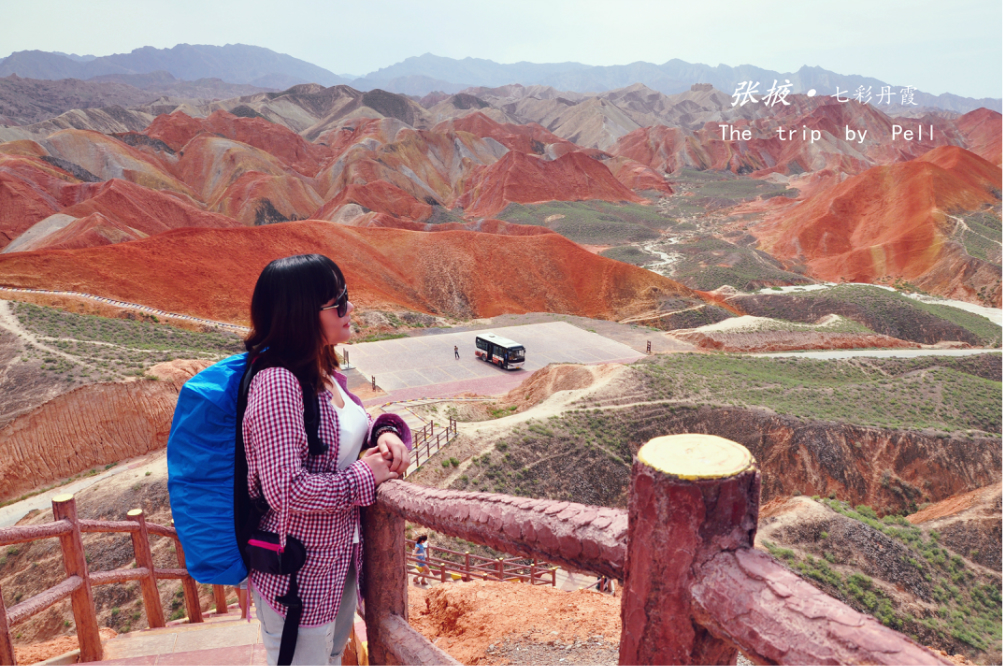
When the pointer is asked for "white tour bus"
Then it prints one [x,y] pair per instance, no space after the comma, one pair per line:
[503,352]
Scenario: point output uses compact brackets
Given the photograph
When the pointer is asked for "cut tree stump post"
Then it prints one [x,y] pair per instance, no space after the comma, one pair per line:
[691,497]
[385,577]
[144,559]
[64,507]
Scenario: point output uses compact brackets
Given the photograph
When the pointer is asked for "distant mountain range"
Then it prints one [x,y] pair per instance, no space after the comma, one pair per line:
[233,63]
[421,75]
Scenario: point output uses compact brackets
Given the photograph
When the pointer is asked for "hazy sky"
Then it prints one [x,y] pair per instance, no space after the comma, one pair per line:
[934,45]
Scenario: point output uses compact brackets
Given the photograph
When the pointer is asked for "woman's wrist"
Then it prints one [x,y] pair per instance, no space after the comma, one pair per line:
[384,429]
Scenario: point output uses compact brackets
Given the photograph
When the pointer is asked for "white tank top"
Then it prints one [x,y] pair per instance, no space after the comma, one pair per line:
[353,426]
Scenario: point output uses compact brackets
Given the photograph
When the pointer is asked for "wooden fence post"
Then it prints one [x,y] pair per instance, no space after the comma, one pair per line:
[500,568]
[64,507]
[553,576]
[466,567]
[219,597]
[193,606]
[442,572]
[691,497]
[148,584]
[6,643]
[385,576]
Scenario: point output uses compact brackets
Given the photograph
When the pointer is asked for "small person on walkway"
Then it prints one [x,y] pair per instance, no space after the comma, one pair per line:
[421,554]
[456,352]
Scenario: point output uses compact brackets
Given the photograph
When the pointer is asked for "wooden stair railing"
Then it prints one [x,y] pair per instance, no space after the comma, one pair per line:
[483,568]
[79,582]
[694,590]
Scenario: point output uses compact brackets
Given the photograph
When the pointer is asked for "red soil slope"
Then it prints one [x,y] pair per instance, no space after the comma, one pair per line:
[982,133]
[120,211]
[259,198]
[211,164]
[177,129]
[211,273]
[518,178]
[427,165]
[379,196]
[89,231]
[892,222]
[529,138]
[381,221]
[32,190]
[107,157]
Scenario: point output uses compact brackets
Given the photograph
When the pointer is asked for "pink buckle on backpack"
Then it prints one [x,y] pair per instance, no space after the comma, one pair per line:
[266,545]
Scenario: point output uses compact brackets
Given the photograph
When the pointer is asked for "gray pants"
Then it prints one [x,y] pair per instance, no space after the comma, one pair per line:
[323,644]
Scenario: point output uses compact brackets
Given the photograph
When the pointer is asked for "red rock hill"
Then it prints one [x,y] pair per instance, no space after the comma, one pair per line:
[211,272]
[893,222]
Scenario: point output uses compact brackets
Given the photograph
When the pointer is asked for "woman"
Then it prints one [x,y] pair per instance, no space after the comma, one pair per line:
[299,312]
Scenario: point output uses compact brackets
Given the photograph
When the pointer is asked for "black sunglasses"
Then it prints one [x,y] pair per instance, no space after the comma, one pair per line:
[341,304]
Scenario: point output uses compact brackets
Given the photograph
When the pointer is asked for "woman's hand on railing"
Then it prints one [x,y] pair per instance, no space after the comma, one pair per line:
[393,449]
[379,465]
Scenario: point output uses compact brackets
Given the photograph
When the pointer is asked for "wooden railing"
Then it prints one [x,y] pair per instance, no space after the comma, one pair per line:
[427,441]
[694,590]
[79,582]
[519,569]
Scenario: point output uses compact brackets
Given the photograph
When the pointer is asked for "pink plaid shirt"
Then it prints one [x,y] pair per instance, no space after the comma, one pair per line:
[309,498]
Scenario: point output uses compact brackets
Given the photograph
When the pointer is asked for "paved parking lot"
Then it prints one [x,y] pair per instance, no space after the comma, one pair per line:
[427,361]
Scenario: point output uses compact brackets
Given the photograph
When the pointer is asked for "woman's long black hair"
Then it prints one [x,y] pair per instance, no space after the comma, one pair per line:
[285,316]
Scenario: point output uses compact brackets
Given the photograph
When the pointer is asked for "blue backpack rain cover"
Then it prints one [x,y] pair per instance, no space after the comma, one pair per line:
[201,467]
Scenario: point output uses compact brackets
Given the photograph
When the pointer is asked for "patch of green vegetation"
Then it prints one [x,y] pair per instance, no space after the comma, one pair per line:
[441,215]
[836,325]
[707,263]
[499,412]
[927,392]
[376,337]
[699,192]
[591,222]
[969,604]
[689,317]
[878,301]
[103,348]
[743,189]
[628,254]
[884,311]
[987,332]
[980,234]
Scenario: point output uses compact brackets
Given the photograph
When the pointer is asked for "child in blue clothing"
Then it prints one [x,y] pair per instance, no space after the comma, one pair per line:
[421,554]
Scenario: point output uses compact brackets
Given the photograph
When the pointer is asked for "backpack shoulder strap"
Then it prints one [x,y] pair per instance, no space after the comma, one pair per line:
[247,512]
